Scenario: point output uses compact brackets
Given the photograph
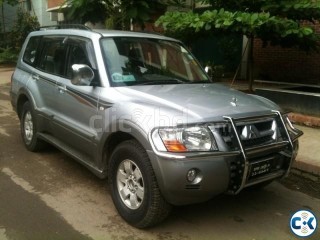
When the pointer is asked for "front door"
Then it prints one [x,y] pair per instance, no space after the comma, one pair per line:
[78,104]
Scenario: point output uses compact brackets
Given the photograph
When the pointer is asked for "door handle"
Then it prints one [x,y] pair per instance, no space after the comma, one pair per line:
[35,77]
[62,89]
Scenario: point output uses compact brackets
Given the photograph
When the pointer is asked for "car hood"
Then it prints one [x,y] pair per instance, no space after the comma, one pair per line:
[199,101]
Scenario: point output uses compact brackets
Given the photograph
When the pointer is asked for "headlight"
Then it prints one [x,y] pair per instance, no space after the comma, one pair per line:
[184,139]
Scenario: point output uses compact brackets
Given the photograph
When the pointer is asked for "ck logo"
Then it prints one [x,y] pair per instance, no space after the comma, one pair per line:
[303,223]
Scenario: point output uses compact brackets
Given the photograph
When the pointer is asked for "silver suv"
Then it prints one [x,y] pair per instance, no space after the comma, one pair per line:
[138,109]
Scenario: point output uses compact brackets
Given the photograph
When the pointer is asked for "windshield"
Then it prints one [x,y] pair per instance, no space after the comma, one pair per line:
[142,61]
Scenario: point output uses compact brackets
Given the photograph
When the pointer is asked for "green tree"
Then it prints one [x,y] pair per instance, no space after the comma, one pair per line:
[118,13]
[86,10]
[287,23]
[12,43]
[24,24]
[121,13]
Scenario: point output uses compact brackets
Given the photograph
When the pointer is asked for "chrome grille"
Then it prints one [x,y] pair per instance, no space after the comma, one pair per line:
[258,133]
[252,132]
[257,141]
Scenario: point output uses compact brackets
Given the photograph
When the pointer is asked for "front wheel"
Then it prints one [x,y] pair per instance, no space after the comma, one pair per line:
[134,188]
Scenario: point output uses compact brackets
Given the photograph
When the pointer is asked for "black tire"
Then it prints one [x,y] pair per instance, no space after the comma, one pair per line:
[29,129]
[153,208]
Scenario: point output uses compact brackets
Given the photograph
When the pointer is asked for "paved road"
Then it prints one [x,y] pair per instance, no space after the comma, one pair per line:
[49,196]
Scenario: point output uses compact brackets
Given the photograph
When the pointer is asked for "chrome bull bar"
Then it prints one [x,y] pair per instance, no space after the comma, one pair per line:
[249,152]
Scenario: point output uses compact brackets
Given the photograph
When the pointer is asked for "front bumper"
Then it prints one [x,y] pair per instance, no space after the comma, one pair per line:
[223,172]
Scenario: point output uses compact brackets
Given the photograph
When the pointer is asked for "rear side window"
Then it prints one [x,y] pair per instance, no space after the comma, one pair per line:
[29,56]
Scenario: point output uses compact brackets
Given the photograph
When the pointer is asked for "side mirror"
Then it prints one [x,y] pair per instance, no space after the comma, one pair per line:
[82,75]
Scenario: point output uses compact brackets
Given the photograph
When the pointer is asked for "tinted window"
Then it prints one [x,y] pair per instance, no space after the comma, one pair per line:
[31,50]
[53,55]
[77,55]
[80,51]
[135,61]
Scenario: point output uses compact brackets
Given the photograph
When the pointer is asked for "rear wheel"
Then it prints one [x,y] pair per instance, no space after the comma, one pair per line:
[29,129]
[134,187]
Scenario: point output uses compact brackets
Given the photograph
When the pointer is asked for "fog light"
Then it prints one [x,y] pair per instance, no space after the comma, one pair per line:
[191,175]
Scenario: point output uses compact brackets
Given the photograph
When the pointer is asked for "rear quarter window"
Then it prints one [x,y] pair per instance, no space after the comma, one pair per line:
[30,53]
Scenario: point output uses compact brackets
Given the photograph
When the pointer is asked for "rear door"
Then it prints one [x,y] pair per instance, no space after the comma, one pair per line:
[43,78]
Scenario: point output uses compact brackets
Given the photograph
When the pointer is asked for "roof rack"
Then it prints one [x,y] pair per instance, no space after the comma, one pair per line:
[65,26]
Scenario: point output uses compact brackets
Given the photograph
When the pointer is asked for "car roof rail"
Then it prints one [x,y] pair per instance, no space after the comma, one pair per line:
[65,26]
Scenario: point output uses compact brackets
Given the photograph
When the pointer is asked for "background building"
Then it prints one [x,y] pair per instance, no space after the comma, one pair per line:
[287,64]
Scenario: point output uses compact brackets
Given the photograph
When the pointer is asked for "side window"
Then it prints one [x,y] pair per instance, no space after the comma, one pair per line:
[53,55]
[80,52]
[31,50]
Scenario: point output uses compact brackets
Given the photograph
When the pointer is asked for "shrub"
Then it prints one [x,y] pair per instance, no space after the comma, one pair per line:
[8,55]
[24,24]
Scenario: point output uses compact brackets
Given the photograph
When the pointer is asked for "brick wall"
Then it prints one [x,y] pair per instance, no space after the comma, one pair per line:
[286,64]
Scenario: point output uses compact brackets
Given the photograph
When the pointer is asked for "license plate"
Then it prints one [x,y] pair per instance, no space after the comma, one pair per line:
[260,168]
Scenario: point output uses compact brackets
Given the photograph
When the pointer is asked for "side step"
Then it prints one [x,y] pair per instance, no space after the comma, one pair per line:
[81,158]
